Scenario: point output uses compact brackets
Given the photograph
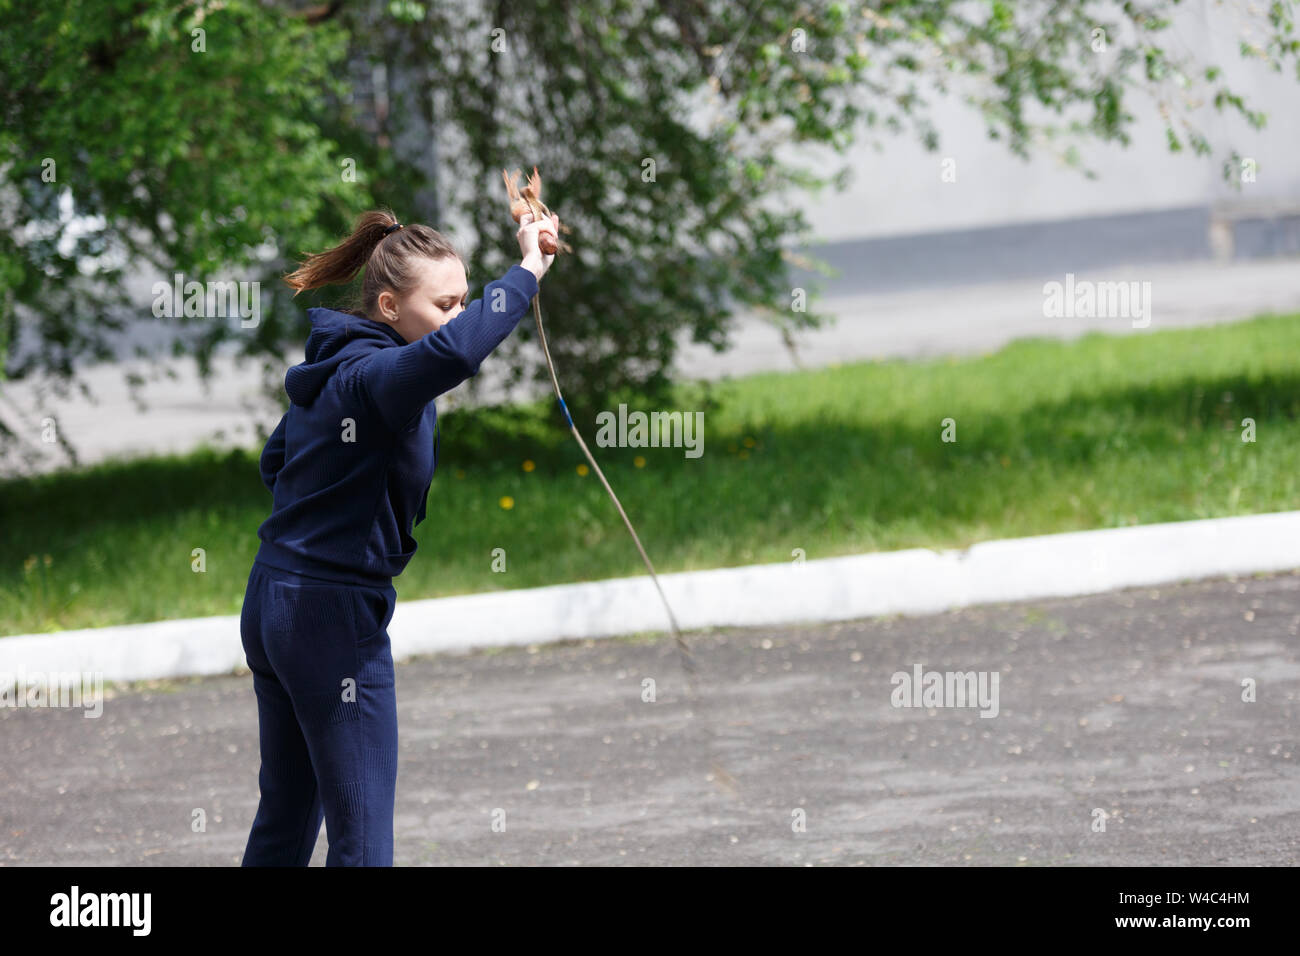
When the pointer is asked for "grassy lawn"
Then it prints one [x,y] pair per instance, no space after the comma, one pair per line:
[1051,436]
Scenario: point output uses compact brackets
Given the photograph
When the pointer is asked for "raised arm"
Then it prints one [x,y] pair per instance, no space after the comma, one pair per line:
[399,382]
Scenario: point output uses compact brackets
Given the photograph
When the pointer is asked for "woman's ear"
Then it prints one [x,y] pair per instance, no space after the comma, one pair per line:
[387,303]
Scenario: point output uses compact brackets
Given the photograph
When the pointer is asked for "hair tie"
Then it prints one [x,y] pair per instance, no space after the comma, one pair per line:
[396,225]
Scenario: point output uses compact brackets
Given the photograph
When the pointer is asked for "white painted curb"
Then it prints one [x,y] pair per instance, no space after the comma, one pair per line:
[916,581]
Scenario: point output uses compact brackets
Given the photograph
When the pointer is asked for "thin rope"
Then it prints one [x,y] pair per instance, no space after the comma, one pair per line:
[684,652]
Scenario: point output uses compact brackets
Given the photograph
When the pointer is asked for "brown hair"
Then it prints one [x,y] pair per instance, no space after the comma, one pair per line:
[388,259]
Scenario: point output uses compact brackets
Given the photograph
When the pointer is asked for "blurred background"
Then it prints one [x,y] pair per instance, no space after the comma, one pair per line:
[831,229]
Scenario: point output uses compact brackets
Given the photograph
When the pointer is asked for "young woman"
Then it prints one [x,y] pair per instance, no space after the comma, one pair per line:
[349,468]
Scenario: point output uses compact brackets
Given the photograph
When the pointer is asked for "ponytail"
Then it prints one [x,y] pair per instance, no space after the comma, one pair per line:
[344,261]
[386,249]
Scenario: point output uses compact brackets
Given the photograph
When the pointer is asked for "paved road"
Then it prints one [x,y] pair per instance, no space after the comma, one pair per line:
[1129,702]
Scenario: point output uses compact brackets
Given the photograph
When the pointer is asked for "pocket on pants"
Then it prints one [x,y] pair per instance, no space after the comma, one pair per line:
[313,610]
[374,610]
[351,613]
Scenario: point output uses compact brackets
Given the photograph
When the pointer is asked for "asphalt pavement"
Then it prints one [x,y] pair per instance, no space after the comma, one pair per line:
[1123,710]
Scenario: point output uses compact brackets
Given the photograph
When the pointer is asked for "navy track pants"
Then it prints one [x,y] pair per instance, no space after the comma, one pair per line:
[327,715]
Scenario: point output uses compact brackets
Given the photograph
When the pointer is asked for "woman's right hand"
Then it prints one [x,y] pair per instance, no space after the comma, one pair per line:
[534,260]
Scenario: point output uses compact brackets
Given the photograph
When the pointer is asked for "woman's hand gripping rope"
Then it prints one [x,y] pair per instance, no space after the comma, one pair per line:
[527,202]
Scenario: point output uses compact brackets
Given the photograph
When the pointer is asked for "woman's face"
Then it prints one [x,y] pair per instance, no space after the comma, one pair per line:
[439,295]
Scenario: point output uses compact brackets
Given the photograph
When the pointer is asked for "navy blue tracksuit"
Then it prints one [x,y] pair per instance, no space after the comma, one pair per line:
[349,468]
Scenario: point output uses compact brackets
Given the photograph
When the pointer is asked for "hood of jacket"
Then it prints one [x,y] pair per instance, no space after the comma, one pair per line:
[327,348]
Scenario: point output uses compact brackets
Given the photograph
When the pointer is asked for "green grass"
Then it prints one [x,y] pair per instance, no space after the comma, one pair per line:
[1051,436]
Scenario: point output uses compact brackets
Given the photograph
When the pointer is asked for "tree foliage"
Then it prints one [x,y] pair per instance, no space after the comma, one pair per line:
[656,127]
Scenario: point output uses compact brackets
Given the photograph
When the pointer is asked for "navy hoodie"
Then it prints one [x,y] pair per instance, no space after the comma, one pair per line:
[350,464]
